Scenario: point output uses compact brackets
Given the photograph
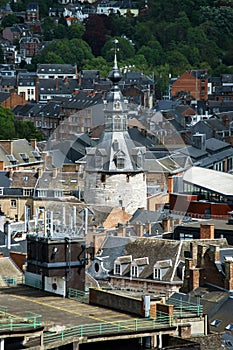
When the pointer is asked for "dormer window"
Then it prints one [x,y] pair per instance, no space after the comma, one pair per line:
[134,271]
[121,264]
[117,269]
[157,274]
[160,268]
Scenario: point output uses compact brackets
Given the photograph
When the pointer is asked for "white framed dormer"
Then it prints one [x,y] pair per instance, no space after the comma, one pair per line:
[134,270]
[160,268]
[138,265]
[121,264]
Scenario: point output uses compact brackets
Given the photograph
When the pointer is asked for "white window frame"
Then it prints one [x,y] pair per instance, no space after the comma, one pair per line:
[117,269]
[134,271]
[157,274]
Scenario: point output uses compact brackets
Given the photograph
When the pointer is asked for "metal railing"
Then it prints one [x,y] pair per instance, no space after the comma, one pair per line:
[3,311]
[183,308]
[13,280]
[33,282]
[78,295]
[98,329]
[13,323]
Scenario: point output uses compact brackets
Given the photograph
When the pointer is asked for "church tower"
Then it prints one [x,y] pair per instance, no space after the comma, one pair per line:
[115,174]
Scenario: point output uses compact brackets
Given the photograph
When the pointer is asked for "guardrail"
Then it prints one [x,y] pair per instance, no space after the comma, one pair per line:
[78,295]
[33,282]
[13,280]
[181,307]
[13,323]
[3,311]
[97,329]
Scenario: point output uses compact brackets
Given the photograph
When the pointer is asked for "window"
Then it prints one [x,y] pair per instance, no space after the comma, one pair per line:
[134,271]
[117,269]
[13,203]
[1,191]
[157,274]
[229,327]
[216,323]
[27,192]
[120,162]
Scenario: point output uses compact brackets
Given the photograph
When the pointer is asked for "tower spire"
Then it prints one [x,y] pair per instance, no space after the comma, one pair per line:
[115,75]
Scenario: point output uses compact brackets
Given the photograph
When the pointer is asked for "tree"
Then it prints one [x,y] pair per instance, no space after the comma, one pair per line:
[7,126]
[65,51]
[9,20]
[98,63]
[96,33]
[27,130]
[125,49]
[76,31]
[11,128]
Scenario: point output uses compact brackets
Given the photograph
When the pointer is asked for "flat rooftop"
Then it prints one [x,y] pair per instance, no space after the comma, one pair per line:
[54,309]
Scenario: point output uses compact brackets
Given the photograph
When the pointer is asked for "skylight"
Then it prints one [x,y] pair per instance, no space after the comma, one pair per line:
[216,323]
[229,327]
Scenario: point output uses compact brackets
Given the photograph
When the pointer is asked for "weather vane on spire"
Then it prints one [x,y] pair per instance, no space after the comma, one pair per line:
[115,53]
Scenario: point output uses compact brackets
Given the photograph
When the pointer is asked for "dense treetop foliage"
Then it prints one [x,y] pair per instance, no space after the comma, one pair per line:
[168,37]
[10,128]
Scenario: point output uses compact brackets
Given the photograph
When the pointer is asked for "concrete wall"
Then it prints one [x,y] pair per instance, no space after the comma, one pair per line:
[115,301]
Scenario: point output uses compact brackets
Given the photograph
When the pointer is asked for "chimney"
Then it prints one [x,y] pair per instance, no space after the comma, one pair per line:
[148,228]
[8,145]
[54,173]
[33,143]
[48,162]
[199,141]
[170,184]
[229,275]
[214,253]
[121,230]
[39,172]
[166,224]
[206,231]
[138,227]
[1,165]
[184,331]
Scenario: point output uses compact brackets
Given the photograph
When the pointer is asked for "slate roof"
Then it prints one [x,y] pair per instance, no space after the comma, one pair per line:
[81,100]
[56,68]
[145,216]
[4,96]
[214,145]
[8,81]
[165,105]
[59,87]
[24,179]
[22,147]
[113,247]
[64,181]
[26,79]
[5,180]
[216,303]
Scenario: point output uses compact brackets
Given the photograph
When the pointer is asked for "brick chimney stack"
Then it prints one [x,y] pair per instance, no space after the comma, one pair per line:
[229,275]
[206,231]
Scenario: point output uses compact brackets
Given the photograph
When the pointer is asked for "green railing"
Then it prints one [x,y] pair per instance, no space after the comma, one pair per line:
[14,324]
[33,282]
[97,329]
[78,295]
[183,308]
[12,280]
[3,311]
